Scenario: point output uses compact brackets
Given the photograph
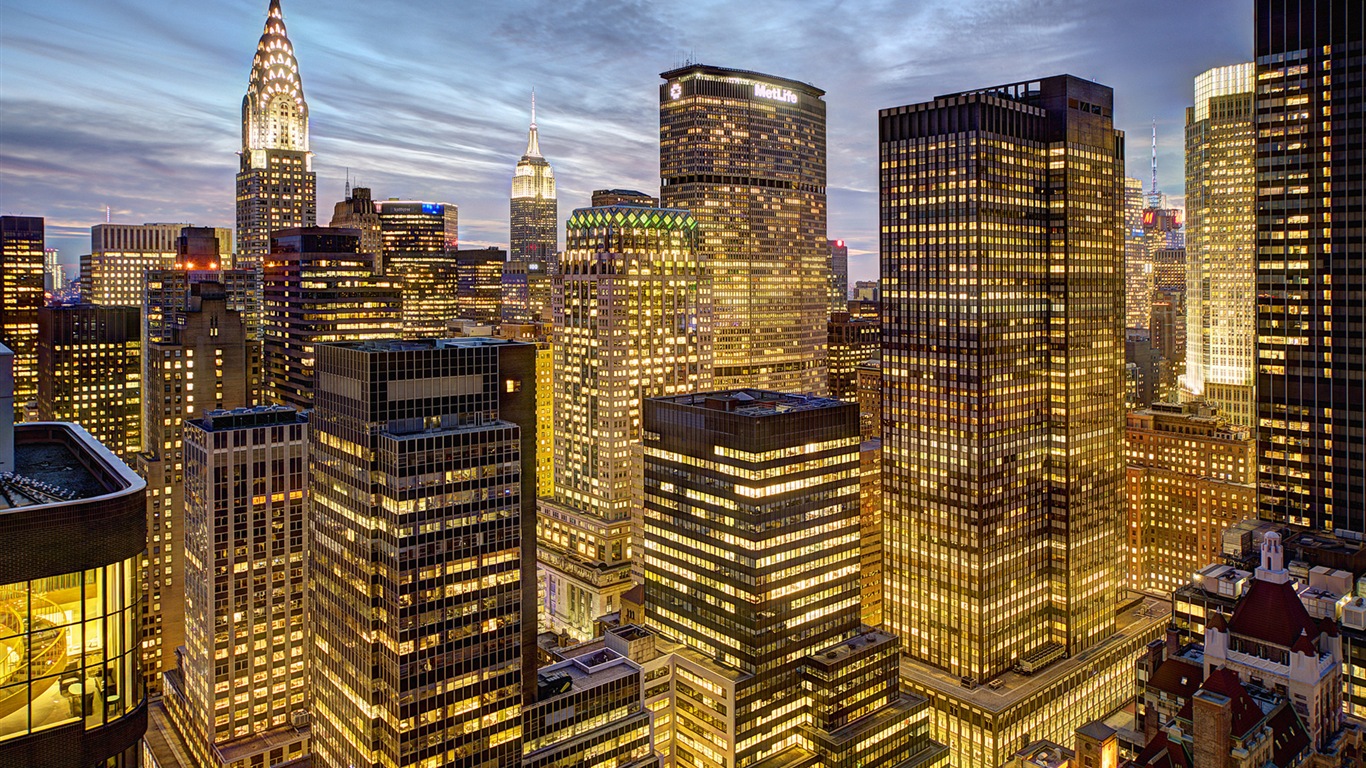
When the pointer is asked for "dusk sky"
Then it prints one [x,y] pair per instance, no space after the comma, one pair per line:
[137,105]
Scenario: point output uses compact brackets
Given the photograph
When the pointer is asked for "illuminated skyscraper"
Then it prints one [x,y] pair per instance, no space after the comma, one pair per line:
[853,341]
[1311,267]
[633,321]
[317,289]
[745,153]
[241,685]
[1220,242]
[204,361]
[21,294]
[276,187]
[839,276]
[1138,268]
[751,529]
[1003,464]
[526,292]
[603,197]
[479,284]
[54,274]
[91,358]
[358,211]
[415,230]
[535,217]
[167,293]
[121,255]
[426,446]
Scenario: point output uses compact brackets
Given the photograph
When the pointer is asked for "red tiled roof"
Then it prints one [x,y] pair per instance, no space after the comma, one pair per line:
[1218,622]
[1178,677]
[1161,753]
[1328,626]
[1289,738]
[1272,613]
[1245,714]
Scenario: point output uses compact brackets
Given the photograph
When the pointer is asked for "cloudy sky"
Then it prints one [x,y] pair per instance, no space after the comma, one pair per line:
[135,104]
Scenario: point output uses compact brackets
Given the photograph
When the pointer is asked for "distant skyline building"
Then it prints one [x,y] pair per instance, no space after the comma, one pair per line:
[70,678]
[241,684]
[526,292]
[1138,268]
[1311,268]
[121,255]
[358,211]
[632,321]
[415,229]
[853,342]
[534,234]
[91,358]
[839,276]
[603,197]
[166,292]
[317,288]
[21,295]
[414,443]
[745,152]
[1221,235]
[1004,482]
[276,186]
[205,361]
[54,274]
[479,286]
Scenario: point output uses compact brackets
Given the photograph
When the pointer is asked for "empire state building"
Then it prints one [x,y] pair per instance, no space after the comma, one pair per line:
[276,187]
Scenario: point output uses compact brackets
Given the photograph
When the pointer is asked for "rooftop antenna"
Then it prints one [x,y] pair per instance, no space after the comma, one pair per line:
[1153,194]
[533,107]
[107,213]
[347,196]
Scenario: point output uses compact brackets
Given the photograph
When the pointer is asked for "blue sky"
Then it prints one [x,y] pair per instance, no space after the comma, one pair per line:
[135,104]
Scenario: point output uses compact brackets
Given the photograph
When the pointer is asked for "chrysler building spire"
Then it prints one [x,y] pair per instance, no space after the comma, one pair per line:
[276,187]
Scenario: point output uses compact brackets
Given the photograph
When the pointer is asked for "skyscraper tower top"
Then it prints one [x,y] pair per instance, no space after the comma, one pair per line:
[534,212]
[274,113]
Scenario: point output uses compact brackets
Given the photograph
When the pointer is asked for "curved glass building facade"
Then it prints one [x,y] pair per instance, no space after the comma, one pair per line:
[74,524]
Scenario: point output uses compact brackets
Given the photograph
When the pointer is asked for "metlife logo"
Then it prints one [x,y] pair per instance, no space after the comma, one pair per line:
[773,93]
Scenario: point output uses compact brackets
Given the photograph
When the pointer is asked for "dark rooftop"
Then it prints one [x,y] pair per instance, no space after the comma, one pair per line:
[754,402]
[46,473]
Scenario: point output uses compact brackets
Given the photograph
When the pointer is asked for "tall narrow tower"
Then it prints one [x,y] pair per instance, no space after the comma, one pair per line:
[276,187]
[535,233]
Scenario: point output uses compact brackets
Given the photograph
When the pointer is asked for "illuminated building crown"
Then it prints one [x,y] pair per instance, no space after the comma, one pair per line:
[274,113]
[534,177]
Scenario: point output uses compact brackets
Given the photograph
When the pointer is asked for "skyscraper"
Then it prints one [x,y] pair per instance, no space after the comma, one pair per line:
[21,294]
[54,274]
[751,551]
[1003,464]
[479,284]
[526,292]
[205,361]
[853,341]
[276,187]
[745,153]
[1138,267]
[1220,242]
[411,443]
[633,321]
[603,197]
[121,255]
[70,681]
[318,289]
[242,684]
[1311,270]
[358,211]
[839,276]
[91,359]
[413,230]
[166,292]
[535,217]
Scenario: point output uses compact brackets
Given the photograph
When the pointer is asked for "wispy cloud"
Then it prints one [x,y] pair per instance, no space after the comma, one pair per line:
[135,105]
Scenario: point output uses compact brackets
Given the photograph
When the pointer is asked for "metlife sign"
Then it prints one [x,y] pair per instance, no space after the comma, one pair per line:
[774,93]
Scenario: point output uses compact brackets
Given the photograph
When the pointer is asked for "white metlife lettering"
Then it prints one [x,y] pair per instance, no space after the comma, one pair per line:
[765,91]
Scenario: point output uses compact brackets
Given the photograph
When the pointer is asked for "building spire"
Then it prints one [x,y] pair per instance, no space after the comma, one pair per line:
[533,143]
[275,76]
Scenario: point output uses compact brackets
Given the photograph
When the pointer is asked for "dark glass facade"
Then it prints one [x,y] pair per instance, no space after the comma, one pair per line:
[1311,262]
[316,289]
[419,547]
[1003,373]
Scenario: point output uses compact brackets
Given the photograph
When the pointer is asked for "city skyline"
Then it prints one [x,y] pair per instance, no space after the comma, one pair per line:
[455,137]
